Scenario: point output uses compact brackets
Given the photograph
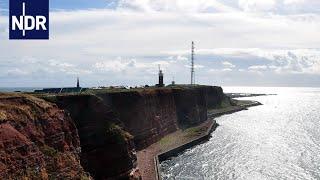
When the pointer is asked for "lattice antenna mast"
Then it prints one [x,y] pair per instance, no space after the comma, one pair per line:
[192,65]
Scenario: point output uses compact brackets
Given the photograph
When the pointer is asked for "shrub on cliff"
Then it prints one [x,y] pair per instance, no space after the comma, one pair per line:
[116,134]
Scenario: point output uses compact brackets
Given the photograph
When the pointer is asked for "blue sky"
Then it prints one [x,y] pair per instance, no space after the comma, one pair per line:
[82,4]
[238,42]
[74,4]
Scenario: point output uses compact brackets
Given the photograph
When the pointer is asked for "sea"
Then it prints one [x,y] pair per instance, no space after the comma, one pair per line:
[18,89]
[277,140]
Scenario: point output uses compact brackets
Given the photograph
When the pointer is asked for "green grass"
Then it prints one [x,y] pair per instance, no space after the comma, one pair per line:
[243,102]
[137,89]
[50,98]
[49,151]
[165,140]
[194,131]
[117,134]
[225,103]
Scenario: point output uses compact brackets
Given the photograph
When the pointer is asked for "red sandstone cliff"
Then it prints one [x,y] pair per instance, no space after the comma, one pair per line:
[148,115]
[41,141]
[107,150]
[37,140]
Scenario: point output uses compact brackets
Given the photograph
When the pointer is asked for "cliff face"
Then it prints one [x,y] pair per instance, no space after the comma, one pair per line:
[151,114]
[214,97]
[112,124]
[147,115]
[191,105]
[107,150]
[37,140]
[95,133]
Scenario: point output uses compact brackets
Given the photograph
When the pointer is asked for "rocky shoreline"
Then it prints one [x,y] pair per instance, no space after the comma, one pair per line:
[240,95]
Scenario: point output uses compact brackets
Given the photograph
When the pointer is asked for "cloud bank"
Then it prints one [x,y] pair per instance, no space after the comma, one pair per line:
[275,40]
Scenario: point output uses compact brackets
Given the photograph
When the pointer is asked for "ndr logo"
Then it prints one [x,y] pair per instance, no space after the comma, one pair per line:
[29,19]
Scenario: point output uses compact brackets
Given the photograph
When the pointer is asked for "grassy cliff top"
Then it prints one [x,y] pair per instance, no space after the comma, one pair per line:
[121,90]
[143,89]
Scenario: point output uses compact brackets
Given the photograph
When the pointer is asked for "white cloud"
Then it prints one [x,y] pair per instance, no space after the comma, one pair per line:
[227,69]
[228,64]
[257,5]
[35,67]
[146,33]
[290,2]
[115,65]
[175,5]
[17,72]
[129,66]
[285,61]
[196,66]
[280,61]
[138,68]
[58,66]
[216,6]
[257,69]
[220,70]
[182,58]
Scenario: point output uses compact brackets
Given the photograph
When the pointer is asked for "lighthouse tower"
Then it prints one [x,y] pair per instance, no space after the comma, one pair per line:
[160,84]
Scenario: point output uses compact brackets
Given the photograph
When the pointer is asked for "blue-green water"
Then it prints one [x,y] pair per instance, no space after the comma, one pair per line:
[22,89]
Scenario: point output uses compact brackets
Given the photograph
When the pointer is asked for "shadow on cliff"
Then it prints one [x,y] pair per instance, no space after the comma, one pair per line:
[107,150]
[112,124]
